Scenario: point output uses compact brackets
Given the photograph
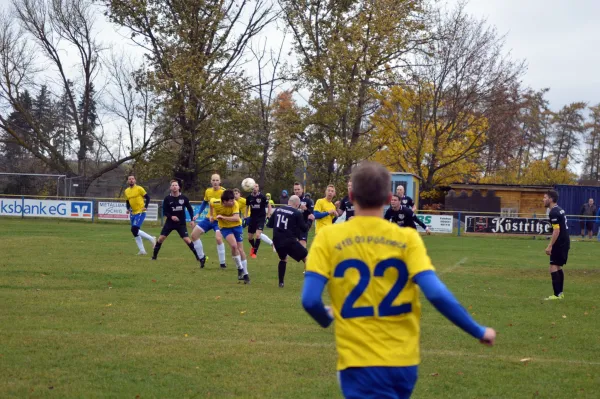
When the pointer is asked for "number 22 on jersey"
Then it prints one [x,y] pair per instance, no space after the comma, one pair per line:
[385,307]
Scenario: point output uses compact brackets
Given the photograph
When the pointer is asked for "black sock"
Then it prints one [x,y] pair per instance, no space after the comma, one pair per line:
[256,245]
[555,283]
[281,268]
[251,241]
[156,249]
[193,249]
[562,280]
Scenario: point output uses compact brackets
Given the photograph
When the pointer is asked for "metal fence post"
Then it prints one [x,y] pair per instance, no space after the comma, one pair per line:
[22,207]
[459,215]
[93,208]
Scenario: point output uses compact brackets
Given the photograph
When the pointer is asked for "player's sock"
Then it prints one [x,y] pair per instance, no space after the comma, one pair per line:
[140,244]
[281,268]
[245,266]
[251,241]
[555,283]
[256,245]
[221,253]
[199,248]
[191,247]
[145,235]
[266,239]
[561,275]
[238,261]
[156,249]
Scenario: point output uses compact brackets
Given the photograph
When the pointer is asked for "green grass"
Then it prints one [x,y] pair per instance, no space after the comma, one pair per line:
[82,317]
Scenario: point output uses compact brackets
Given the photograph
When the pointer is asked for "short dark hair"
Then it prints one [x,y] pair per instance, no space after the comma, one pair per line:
[175,181]
[236,190]
[371,185]
[297,184]
[227,195]
[130,174]
[397,196]
[553,195]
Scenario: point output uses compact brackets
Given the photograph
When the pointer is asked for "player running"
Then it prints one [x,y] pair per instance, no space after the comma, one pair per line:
[259,207]
[174,206]
[226,211]
[325,210]
[205,225]
[137,201]
[288,227]
[307,208]
[372,269]
[403,216]
[559,246]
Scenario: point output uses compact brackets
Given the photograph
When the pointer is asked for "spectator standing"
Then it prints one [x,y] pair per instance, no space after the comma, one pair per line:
[588,210]
[284,198]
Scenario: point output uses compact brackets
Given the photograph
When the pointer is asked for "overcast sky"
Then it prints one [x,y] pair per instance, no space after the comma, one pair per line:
[559,39]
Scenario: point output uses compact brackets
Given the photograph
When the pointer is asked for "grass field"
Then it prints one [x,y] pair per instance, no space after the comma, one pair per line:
[82,317]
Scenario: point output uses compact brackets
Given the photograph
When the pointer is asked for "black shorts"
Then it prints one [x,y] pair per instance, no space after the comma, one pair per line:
[256,224]
[588,224]
[304,236]
[559,256]
[291,248]
[169,227]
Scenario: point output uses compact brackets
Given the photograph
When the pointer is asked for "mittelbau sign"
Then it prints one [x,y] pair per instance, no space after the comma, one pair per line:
[504,225]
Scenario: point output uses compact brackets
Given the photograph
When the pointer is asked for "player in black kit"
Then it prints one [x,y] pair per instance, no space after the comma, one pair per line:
[345,205]
[403,216]
[559,246]
[288,227]
[256,202]
[174,206]
[306,206]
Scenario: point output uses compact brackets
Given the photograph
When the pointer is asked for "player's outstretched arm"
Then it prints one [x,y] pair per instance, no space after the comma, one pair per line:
[202,207]
[442,299]
[312,293]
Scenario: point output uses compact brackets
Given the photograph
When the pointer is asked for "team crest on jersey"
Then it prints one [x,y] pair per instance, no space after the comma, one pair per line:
[401,216]
[258,200]
[181,201]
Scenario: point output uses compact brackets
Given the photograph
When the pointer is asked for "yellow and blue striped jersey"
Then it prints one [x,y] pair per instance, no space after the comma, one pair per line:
[219,209]
[369,264]
[135,196]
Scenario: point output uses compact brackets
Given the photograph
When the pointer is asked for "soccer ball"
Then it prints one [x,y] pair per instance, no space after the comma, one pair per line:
[248,184]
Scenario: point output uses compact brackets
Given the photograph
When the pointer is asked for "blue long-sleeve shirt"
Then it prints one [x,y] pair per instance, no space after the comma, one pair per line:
[435,291]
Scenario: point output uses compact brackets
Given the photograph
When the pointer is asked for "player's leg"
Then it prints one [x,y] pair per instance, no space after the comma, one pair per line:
[183,233]
[220,245]
[582,226]
[297,252]
[238,233]
[135,230]
[143,234]
[230,238]
[197,231]
[558,258]
[262,237]
[590,229]
[252,227]
[164,233]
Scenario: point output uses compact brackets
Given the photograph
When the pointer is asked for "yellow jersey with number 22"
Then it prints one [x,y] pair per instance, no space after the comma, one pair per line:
[369,264]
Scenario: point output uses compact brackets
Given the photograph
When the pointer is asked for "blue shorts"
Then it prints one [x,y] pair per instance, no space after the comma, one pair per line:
[237,231]
[137,220]
[378,382]
[207,226]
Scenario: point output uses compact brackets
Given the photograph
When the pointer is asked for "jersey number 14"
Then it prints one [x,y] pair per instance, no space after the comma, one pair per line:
[281,220]
[385,307]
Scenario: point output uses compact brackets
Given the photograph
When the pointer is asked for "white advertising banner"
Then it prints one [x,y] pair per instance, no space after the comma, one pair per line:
[118,211]
[46,208]
[436,223]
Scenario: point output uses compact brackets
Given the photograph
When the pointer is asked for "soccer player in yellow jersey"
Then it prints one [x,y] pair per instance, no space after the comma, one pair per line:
[373,270]
[137,201]
[226,211]
[242,203]
[204,226]
[325,210]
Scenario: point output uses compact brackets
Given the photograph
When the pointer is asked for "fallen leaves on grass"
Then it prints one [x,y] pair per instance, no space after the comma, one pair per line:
[525,360]
[243,312]
[434,374]
[564,316]
[108,305]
